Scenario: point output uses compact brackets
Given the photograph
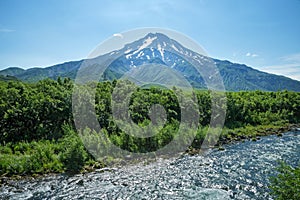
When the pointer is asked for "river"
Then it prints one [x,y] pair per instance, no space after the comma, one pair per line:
[241,171]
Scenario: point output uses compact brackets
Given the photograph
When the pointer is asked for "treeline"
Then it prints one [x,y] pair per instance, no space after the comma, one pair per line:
[34,111]
[37,125]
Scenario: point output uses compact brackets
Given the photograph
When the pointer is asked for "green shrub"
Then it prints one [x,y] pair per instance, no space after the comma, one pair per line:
[29,158]
[73,154]
[286,185]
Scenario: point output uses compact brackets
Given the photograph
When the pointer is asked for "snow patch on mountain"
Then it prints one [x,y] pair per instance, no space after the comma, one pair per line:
[132,64]
[174,47]
[146,43]
[140,54]
[127,51]
[161,51]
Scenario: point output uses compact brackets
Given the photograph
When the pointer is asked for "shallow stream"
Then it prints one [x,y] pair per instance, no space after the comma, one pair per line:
[241,171]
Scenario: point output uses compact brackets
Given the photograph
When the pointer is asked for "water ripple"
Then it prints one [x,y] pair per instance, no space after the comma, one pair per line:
[239,172]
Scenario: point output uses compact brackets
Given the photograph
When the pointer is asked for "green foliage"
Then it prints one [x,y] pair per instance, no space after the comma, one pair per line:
[44,156]
[34,112]
[262,108]
[286,185]
[28,158]
[38,111]
[73,155]
[37,133]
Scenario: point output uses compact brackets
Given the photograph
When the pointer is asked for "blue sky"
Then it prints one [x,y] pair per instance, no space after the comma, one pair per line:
[264,34]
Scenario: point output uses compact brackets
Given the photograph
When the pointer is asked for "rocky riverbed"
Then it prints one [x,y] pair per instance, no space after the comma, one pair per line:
[241,171]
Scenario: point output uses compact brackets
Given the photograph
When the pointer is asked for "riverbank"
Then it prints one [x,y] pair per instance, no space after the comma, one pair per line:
[254,133]
[240,172]
[228,136]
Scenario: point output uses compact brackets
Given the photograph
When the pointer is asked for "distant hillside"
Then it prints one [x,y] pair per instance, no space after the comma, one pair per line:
[241,77]
[7,78]
[159,49]
[12,71]
[67,69]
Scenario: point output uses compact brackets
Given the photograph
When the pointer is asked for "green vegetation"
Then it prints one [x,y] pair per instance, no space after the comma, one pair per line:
[237,77]
[44,156]
[286,185]
[38,135]
[7,78]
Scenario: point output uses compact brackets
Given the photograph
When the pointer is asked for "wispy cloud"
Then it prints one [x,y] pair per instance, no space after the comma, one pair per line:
[6,30]
[253,55]
[292,71]
[290,66]
[293,58]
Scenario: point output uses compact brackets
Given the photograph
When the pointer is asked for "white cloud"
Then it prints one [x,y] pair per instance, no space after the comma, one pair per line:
[292,58]
[291,70]
[5,30]
[118,35]
[253,55]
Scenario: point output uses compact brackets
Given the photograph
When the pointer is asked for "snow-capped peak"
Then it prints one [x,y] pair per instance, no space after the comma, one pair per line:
[146,43]
[156,45]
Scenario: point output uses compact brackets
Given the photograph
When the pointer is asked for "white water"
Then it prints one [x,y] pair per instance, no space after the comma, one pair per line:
[242,171]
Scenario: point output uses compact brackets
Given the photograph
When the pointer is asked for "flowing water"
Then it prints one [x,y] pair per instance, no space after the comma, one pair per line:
[239,172]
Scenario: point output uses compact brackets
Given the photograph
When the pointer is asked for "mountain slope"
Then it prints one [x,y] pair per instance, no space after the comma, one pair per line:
[241,77]
[12,71]
[157,48]
[8,78]
[67,69]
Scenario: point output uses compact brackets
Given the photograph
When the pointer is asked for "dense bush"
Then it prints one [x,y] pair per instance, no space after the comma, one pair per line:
[38,111]
[34,112]
[286,185]
[37,132]
[30,157]
[73,154]
[66,154]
